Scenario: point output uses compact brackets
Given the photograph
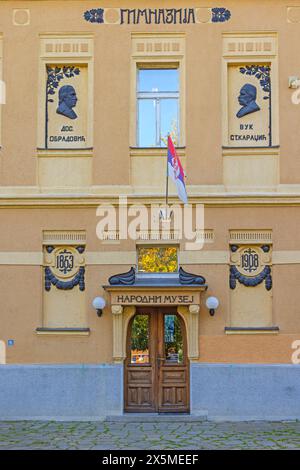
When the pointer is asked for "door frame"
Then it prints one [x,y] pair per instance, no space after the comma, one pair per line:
[146,310]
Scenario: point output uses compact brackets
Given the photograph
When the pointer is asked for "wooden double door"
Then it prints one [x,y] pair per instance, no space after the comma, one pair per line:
[156,367]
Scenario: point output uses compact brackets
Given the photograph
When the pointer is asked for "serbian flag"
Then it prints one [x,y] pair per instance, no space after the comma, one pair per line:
[176,172]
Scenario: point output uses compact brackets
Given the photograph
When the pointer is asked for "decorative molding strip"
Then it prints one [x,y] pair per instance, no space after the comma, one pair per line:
[204,257]
[250,151]
[21,258]
[151,45]
[286,257]
[64,153]
[153,151]
[63,331]
[78,279]
[64,237]
[60,46]
[19,197]
[35,258]
[242,44]
[250,236]
[248,281]
[206,236]
[97,258]
[146,16]
[251,330]
[110,258]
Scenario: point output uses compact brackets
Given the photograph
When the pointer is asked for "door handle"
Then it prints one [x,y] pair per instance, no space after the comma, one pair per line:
[159,360]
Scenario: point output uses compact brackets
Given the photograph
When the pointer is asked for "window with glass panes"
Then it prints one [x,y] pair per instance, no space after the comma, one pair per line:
[157,106]
[157,259]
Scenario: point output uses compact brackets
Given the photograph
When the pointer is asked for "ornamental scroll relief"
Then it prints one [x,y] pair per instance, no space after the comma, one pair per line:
[250,282]
[123,16]
[64,267]
[250,266]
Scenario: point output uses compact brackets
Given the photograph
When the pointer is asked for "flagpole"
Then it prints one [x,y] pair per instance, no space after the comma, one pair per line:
[167,177]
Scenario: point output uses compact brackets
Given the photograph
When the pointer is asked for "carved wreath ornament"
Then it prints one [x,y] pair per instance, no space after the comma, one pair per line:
[250,268]
[265,275]
[64,268]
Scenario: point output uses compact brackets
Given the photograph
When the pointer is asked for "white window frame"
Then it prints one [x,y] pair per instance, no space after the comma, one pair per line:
[158,97]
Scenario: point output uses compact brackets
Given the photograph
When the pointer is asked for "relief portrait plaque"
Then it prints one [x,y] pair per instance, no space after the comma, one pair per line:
[66,107]
[249,105]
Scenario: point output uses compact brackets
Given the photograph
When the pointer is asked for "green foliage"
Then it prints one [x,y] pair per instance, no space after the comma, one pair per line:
[140,333]
[157,259]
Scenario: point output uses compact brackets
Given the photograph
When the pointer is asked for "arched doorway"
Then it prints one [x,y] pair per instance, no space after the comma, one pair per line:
[157,366]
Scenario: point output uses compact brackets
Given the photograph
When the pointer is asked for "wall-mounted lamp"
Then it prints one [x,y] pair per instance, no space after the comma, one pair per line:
[99,304]
[212,303]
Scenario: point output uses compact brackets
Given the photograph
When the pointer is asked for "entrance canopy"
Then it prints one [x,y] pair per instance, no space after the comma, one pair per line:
[129,291]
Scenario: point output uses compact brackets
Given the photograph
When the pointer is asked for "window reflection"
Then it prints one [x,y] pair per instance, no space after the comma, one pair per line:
[173,339]
[140,340]
[157,259]
[158,80]
[157,106]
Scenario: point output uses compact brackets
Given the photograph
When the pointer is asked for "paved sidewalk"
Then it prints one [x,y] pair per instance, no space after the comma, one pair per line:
[103,435]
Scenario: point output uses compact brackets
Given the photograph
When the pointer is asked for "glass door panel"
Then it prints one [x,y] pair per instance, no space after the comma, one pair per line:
[139,344]
[173,340]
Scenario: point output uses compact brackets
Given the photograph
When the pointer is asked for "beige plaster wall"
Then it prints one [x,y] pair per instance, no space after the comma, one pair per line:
[111,163]
[21,286]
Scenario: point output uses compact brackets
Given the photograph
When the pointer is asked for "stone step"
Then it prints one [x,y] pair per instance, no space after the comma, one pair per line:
[157,418]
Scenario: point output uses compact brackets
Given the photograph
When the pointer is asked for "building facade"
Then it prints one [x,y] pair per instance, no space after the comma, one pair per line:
[89,94]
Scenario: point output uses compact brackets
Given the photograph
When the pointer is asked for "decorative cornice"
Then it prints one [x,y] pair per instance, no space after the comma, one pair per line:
[86,200]
[128,278]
